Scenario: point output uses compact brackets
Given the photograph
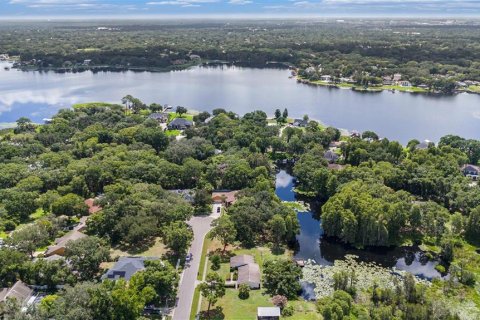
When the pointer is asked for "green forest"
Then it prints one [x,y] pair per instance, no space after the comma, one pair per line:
[432,53]
[380,193]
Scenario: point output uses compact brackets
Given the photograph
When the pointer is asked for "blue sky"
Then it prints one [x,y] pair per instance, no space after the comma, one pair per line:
[141,8]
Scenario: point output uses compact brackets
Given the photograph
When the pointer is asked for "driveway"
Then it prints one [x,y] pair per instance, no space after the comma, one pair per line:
[201,226]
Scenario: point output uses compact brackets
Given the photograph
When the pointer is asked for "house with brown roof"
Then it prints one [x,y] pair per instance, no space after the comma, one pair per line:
[19,291]
[60,243]
[225,197]
[92,208]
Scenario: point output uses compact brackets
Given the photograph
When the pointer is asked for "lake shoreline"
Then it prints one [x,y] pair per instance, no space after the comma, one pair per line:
[378,89]
[269,65]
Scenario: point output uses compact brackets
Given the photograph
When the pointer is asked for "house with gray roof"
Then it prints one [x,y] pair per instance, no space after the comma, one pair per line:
[126,267]
[471,171]
[330,156]
[179,124]
[160,117]
[301,123]
[249,274]
[19,291]
[240,260]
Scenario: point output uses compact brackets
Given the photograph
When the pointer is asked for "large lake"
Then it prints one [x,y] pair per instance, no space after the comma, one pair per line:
[399,116]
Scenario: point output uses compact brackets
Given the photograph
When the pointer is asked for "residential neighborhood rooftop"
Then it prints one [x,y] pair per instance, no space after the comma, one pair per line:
[126,267]
[19,291]
[241,260]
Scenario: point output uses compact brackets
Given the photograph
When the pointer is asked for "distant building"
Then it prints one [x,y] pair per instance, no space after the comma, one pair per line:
[126,267]
[226,197]
[330,156]
[388,80]
[82,224]
[405,84]
[326,78]
[160,117]
[299,123]
[397,77]
[60,243]
[310,70]
[471,171]
[424,145]
[268,313]
[179,124]
[19,292]
[195,57]
[187,194]
[92,208]
[87,62]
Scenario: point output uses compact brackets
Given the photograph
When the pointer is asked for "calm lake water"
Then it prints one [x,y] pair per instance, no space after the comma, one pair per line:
[399,116]
[312,245]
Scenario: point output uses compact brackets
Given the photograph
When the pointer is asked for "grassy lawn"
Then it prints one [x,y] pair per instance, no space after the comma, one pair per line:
[171,133]
[196,300]
[475,89]
[405,89]
[173,115]
[158,249]
[235,308]
[304,310]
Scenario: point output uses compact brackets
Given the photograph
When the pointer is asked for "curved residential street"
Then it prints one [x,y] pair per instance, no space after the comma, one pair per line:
[201,226]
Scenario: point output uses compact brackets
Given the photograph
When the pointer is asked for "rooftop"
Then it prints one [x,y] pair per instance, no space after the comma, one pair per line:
[126,267]
[92,208]
[241,260]
[249,274]
[19,291]
[268,311]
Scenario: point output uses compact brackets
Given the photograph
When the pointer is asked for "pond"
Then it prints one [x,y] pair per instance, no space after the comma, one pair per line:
[399,116]
[314,246]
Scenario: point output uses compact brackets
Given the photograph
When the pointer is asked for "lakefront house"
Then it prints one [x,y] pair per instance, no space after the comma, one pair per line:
[471,171]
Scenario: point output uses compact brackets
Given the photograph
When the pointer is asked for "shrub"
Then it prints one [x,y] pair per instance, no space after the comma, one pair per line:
[9,225]
[216,260]
[244,291]
[288,311]
[440,268]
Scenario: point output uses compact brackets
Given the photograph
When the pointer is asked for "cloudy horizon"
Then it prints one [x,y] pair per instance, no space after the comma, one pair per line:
[12,9]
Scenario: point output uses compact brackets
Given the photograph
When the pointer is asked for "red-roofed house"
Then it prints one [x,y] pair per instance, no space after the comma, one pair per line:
[92,208]
[225,197]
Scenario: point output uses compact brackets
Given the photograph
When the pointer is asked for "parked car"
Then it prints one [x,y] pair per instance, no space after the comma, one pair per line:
[189,257]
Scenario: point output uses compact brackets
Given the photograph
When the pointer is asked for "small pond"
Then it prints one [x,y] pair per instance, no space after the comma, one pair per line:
[313,245]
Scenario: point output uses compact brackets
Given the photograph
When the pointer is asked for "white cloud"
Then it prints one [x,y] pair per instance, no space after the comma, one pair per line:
[240,2]
[71,4]
[182,3]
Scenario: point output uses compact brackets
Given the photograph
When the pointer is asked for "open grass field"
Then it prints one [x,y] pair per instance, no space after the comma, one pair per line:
[158,249]
[231,306]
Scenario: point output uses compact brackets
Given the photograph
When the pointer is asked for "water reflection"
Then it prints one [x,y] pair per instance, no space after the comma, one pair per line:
[312,244]
[397,116]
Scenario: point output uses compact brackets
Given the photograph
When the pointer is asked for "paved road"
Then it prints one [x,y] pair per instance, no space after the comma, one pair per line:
[201,226]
